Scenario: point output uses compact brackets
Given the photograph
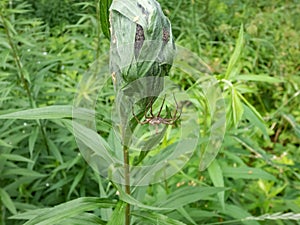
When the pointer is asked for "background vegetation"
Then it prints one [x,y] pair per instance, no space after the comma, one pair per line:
[46,47]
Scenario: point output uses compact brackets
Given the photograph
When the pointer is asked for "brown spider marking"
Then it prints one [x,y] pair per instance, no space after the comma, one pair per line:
[155,120]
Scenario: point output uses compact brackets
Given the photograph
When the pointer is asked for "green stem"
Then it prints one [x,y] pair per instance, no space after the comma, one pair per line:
[98,29]
[17,60]
[127,182]
[22,74]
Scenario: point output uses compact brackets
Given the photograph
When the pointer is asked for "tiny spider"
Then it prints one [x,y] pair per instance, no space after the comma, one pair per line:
[157,119]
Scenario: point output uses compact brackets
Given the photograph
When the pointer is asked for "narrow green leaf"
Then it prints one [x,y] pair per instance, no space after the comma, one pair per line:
[132,201]
[255,120]
[215,111]
[259,77]
[216,175]
[4,144]
[250,106]
[118,216]
[247,173]
[75,182]
[106,212]
[48,112]
[187,195]
[28,215]
[51,112]
[22,172]
[7,201]
[16,158]
[32,139]
[239,213]
[186,215]
[156,218]
[104,16]
[237,107]
[84,219]
[69,209]
[198,214]
[11,28]
[91,139]
[236,54]
[54,150]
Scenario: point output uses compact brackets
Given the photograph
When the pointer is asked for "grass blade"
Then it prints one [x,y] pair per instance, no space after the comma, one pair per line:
[118,214]
[104,16]
[67,210]
[187,195]
[216,175]
[156,218]
[236,54]
[7,202]
[247,173]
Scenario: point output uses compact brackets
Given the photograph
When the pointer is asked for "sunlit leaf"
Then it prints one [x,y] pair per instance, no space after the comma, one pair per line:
[216,175]
[236,55]
[237,107]
[260,77]
[118,216]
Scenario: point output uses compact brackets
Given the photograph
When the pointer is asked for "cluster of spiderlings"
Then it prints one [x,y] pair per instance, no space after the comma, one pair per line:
[141,42]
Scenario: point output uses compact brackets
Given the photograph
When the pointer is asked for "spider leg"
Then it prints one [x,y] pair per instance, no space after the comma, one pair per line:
[158,115]
[149,106]
[174,118]
[168,121]
[137,119]
[151,110]
[144,122]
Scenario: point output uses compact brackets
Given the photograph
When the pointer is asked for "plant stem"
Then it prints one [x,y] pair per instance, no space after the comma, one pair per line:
[98,50]
[21,72]
[127,182]
[17,60]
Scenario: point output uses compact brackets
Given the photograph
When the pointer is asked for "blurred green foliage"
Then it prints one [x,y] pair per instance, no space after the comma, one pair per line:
[57,13]
[47,46]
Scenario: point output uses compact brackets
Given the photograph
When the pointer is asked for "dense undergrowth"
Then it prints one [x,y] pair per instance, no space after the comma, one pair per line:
[45,48]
